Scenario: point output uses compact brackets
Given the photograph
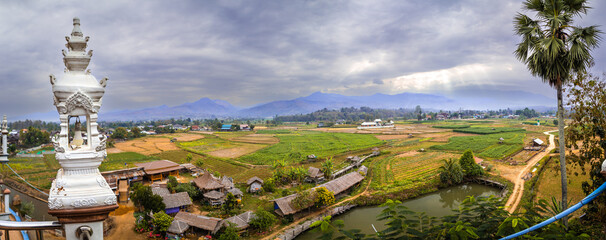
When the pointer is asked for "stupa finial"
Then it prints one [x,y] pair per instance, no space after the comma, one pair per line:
[4,124]
[77,31]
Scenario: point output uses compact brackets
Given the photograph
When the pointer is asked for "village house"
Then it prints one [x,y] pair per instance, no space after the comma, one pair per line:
[244,127]
[174,202]
[314,175]
[240,222]
[161,169]
[215,190]
[226,127]
[254,184]
[195,128]
[209,225]
[283,206]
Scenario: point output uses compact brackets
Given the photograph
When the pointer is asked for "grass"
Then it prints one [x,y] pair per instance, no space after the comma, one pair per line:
[37,171]
[488,130]
[452,126]
[115,161]
[295,147]
[487,146]
[274,131]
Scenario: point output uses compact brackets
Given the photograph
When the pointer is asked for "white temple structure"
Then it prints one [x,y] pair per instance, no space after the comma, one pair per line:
[4,127]
[79,196]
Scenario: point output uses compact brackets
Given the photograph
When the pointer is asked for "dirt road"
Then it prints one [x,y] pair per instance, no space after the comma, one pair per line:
[518,190]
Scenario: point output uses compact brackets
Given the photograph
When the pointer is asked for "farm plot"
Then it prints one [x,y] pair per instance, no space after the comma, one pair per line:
[488,130]
[115,161]
[257,138]
[145,145]
[487,146]
[452,126]
[294,147]
[220,147]
[37,171]
[240,173]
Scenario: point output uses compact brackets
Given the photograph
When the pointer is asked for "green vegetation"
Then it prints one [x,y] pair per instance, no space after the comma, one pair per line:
[451,172]
[488,130]
[146,200]
[263,220]
[274,131]
[487,146]
[469,166]
[321,144]
[452,126]
[115,161]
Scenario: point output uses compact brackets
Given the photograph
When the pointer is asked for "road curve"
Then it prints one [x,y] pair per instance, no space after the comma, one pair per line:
[518,190]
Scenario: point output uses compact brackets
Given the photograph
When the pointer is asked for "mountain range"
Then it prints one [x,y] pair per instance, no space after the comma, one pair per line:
[214,108]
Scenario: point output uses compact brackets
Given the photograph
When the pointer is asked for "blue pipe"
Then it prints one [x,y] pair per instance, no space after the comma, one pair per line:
[568,211]
[18,219]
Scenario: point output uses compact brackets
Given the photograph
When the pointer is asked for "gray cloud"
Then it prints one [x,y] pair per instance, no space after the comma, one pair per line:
[248,52]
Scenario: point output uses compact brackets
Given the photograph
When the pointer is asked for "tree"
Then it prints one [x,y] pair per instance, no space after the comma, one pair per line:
[162,221]
[553,48]
[172,183]
[304,199]
[327,167]
[231,204]
[327,227]
[587,101]
[269,185]
[135,132]
[323,197]
[189,157]
[469,166]
[230,232]
[451,172]
[34,137]
[263,220]
[26,208]
[191,190]
[143,197]
[120,133]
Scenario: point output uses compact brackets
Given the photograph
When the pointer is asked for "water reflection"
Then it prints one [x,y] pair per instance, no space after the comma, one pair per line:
[437,204]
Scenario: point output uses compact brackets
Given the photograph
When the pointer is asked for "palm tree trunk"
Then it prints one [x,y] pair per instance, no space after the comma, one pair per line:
[562,152]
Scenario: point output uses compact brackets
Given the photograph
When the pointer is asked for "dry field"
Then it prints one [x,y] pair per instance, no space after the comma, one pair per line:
[391,137]
[241,150]
[257,138]
[153,144]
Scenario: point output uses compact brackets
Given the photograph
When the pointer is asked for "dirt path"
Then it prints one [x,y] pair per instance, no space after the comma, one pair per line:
[518,190]
[316,213]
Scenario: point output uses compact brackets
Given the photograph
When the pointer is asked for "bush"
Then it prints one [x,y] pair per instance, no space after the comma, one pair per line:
[162,221]
[263,220]
[468,163]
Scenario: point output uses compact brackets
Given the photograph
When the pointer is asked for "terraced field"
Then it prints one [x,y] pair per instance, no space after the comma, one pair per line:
[294,147]
[486,146]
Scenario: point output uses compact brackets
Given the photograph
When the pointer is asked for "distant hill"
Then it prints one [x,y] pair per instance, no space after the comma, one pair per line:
[214,108]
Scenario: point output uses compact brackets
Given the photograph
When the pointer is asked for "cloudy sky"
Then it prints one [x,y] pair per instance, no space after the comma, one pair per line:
[249,52]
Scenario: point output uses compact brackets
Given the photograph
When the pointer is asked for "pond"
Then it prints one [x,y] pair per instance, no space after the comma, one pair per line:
[436,204]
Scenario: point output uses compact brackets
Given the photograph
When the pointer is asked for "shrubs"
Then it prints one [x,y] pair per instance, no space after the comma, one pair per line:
[263,220]
[468,163]
[451,172]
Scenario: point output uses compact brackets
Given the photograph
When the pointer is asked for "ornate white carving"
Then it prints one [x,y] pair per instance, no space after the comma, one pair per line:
[60,184]
[84,202]
[102,145]
[58,147]
[54,203]
[102,182]
[79,99]
[111,200]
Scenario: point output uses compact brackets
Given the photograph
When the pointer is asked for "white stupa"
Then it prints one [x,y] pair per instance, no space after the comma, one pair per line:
[79,196]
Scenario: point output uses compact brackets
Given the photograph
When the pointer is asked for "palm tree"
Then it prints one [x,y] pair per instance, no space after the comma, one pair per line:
[327,167]
[451,172]
[553,50]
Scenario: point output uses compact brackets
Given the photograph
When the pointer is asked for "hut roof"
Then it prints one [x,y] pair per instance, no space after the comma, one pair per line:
[178,227]
[315,172]
[236,192]
[160,166]
[176,200]
[336,186]
[227,182]
[203,222]
[160,191]
[214,195]
[240,221]
[363,169]
[207,182]
[254,179]
[538,141]
[343,183]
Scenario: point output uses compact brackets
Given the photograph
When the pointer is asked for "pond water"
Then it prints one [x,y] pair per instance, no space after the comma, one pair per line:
[436,204]
[40,207]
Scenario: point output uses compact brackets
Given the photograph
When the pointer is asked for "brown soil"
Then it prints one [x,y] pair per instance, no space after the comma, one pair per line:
[147,145]
[237,151]
[124,221]
[407,154]
[391,137]
[257,138]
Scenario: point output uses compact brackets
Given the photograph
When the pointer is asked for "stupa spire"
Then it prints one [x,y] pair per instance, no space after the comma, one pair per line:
[76,58]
